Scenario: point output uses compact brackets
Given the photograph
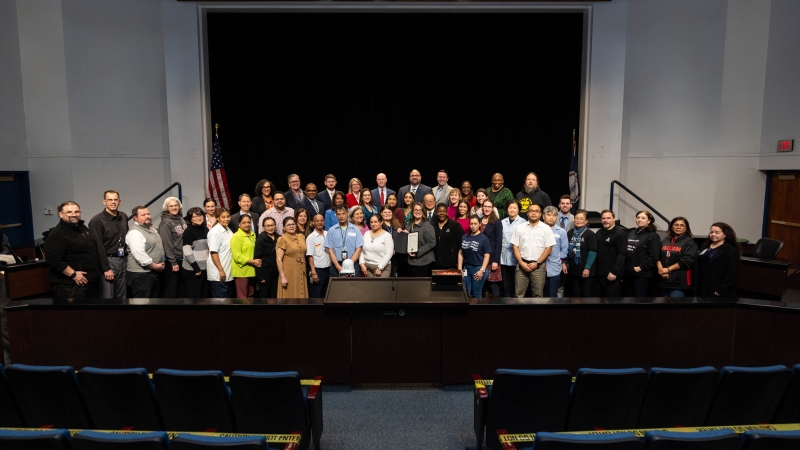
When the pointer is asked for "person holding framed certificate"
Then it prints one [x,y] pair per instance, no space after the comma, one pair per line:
[421,241]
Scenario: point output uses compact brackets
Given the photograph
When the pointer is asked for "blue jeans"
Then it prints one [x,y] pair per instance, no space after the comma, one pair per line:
[551,286]
[220,289]
[673,293]
[474,287]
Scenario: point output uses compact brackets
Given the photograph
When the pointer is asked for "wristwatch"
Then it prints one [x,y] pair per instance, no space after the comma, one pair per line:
[74,274]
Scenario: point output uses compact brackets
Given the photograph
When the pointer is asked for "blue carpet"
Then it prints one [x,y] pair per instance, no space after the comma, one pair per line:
[398,419]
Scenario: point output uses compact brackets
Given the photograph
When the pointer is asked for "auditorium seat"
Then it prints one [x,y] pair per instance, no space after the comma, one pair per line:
[276,403]
[606,399]
[120,399]
[9,413]
[93,440]
[522,401]
[789,408]
[766,248]
[677,397]
[48,396]
[34,440]
[613,441]
[747,395]
[184,441]
[771,440]
[705,440]
[194,400]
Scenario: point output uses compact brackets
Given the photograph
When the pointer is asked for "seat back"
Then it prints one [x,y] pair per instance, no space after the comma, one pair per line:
[608,399]
[194,442]
[747,395]
[269,403]
[532,400]
[48,396]
[789,407]
[767,248]
[771,440]
[613,441]
[706,440]
[677,397]
[9,413]
[34,440]
[120,398]
[192,400]
[93,440]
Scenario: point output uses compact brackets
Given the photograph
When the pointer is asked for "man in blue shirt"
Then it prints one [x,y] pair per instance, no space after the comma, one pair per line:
[343,242]
[555,262]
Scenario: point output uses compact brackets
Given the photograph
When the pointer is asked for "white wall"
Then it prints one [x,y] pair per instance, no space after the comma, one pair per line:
[13,145]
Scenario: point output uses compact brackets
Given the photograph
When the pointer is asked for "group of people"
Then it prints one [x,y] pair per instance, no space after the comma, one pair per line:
[289,244]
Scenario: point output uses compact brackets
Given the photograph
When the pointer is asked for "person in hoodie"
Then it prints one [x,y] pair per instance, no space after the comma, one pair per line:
[678,252]
[612,247]
[644,249]
[195,254]
[171,231]
[531,193]
[581,255]
[71,254]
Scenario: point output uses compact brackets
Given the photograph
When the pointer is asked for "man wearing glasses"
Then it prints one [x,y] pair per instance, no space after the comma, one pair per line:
[108,229]
[311,204]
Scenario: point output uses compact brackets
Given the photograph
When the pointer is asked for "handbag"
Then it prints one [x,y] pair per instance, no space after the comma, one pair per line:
[495,275]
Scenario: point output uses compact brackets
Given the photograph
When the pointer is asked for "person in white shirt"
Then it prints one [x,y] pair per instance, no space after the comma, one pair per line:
[218,266]
[376,254]
[532,244]
[508,263]
[319,262]
[145,255]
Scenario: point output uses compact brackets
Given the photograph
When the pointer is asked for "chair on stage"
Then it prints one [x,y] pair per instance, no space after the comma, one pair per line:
[771,440]
[9,413]
[789,408]
[276,403]
[522,401]
[677,397]
[48,396]
[767,248]
[194,400]
[120,399]
[34,440]
[93,440]
[606,399]
[706,440]
[747,395]
[185,441]
[613,441]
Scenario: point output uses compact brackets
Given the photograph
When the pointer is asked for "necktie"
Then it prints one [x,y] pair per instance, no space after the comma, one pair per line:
[382,199]
[430,215]
[314,204]
[562,222]
[414,192]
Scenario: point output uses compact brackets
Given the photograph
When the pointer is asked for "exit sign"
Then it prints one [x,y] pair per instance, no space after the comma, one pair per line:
[786,145]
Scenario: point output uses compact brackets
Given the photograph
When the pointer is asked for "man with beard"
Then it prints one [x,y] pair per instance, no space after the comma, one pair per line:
[72,256]
[145,255]
[531,193]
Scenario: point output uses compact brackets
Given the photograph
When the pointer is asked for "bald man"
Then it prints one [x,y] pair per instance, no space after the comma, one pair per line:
[416,187]
[381,193]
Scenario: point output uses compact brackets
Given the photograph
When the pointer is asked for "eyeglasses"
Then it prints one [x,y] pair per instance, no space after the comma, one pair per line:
[678,225]
[535,210]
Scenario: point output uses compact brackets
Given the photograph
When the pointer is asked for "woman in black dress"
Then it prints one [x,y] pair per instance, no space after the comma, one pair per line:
[717,264]
[267,275]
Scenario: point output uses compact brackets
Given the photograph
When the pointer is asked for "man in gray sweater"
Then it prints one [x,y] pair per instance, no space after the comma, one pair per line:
[145,255]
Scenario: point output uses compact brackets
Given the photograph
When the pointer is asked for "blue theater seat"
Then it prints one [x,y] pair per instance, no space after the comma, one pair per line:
[9,413]
[276,403]
[194,400]
[613,441]
[606,399]
[771,440]
[193,442]
[34,440]
[522,401]
[93,440]
[747,395]
[48,396]
[120,398]
[789,408]
[705,440]
[677,397]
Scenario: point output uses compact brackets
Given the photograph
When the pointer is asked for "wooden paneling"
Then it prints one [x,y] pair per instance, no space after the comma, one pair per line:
[752,339]
[783,198]
[27,280]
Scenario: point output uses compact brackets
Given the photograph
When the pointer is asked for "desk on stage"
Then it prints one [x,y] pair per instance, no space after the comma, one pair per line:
[423,342]
[27,279]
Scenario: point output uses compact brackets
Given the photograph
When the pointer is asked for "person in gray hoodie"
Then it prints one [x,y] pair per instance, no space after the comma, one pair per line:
[171,231]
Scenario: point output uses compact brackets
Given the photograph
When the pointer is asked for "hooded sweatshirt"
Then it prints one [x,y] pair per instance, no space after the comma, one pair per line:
[681,250]
[171,231]
[537,195]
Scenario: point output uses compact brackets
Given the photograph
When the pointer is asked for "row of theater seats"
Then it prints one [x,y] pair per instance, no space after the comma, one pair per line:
[657,440]
[532,401]
[93,440]
[174,400]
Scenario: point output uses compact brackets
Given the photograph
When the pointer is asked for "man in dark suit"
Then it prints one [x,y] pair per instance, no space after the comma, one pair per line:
[326,196]
[381,193]
[244,210]
[418,189]
[311,204]
[429,211]
[294,196]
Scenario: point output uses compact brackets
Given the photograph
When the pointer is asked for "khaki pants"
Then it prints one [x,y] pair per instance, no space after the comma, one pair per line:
[371,268]
[536,279]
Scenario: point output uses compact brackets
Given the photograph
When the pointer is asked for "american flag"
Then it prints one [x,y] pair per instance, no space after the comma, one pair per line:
[574,182]
[217,181]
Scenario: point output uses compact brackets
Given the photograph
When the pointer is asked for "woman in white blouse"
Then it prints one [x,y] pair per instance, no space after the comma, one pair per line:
[376,254]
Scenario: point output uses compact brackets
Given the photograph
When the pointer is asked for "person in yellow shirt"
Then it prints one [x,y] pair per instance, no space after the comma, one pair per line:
[243,244]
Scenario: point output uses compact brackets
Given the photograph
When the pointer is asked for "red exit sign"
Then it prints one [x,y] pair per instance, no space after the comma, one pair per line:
[786,145]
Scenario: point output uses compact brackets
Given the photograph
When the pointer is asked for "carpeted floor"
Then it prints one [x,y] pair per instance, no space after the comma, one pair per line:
[397,419]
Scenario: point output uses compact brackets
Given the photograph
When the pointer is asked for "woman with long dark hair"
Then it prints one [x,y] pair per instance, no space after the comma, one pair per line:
[267,274]
[367,205]
[718,262]
[643,253]
[195,254]
[678,252]
[492,228]
[262,197]
[330,215]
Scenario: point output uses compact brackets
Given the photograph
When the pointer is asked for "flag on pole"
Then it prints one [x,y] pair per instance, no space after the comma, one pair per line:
[574,183]
[217,181]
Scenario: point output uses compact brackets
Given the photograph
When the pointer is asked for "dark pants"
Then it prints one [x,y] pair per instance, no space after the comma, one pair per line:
[143,285]
[319,289]
[605,288]
[333,272]
[116,288]
[400,265]
[221,289]
[269,288]
[508,280]
[419,271]
[634,286]
[90,290]
[580,287]
[551,286]
[172,283]
[196,287]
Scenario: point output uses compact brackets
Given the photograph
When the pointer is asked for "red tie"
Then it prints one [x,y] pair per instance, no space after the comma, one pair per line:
[382,201]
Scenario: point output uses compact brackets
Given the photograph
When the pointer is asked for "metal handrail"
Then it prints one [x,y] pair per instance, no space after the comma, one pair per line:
[611,199]
[180,195]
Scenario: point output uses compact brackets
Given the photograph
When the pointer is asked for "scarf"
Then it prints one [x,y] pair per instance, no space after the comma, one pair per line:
[575,246]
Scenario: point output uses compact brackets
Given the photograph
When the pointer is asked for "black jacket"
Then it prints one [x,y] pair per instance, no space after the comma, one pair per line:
[73,246]
[612,248]
[588,243]
[448,242]
[265,251]
[683,251]
[720,274]
[644,248]
[109,234]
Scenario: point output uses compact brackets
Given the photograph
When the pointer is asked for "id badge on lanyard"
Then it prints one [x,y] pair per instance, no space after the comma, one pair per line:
[120,248]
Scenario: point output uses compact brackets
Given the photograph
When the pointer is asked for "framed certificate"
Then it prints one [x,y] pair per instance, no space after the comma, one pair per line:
[413,242]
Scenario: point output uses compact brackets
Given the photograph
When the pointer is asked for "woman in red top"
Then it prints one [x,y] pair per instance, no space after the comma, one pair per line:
[354,193]
[462,217]
[466,194]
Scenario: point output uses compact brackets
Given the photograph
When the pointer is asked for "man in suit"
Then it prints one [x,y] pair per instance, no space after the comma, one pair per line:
[565,219]
[418,189]
[442,190]
[429,211]
[311,204]
[380,193]
[244,210]
[294,196]
[326,196]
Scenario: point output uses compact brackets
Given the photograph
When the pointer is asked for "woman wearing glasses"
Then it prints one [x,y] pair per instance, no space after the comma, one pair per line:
[678,252]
